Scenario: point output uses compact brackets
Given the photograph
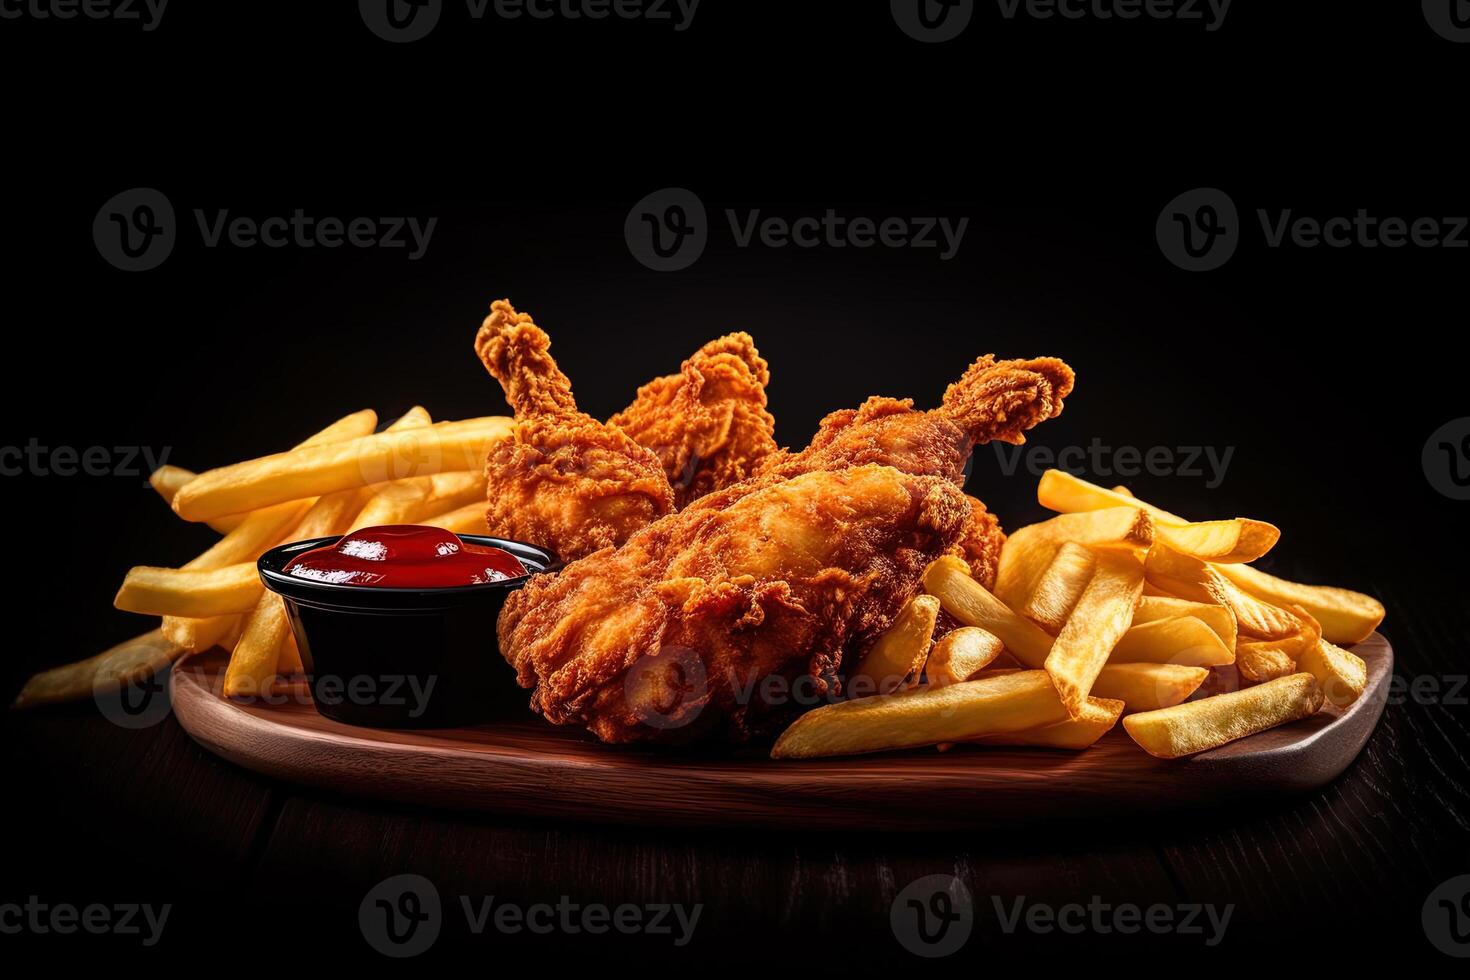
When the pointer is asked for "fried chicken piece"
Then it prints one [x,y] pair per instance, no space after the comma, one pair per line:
[562,480]
[707,424]
[729,621]
[993,400]
[980,547]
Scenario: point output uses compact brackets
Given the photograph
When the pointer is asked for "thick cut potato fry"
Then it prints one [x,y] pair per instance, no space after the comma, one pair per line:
[1058,588]
[195,635]
[1346,616]
[898,655]
[960,653]
[1028,551]
[1213,615]
[1145,687]
[1227,542]
[360,462]
[1182,640]
[1189,578]
[1266,660]
[1101,617]
[289,660]
[1342,674]
[1196,726]
[255,659]
[924,716]
[189,592]
[469,519]
[128,662]
[1098,717]
[968,601]
[412,501]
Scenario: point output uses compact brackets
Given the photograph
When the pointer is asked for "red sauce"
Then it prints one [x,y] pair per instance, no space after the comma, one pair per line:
[405,556]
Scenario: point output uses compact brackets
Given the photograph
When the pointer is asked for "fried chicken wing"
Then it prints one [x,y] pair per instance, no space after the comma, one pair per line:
[707,424]
[562,480]
[729,621]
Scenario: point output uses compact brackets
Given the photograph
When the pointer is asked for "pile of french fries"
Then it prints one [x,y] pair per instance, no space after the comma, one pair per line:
[1113,609]
[347,476]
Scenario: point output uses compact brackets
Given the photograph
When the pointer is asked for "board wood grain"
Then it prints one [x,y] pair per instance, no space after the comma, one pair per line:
[523,766]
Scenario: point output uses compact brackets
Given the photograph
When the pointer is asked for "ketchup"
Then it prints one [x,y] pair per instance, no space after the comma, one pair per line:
[405,556]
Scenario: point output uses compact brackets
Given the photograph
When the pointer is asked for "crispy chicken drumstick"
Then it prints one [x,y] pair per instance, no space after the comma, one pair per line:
[671,635]
[563,480]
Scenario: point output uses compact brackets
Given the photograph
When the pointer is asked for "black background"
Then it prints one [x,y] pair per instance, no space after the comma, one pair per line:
[1325,370]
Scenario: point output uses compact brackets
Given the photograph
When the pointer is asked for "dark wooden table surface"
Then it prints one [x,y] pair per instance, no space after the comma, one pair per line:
[103,814]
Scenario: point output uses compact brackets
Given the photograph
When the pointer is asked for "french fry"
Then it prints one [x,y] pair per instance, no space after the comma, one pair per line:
[1342,674]
[1231,541]
[189,592]
[1145,687]
[1266,660]
[1098,717]
[1189,578]
[1098,622]
[1196,726]
[1213,615]
[469,519]
[898,655]
[1058,588]
[1182,640]
[1346,616]
[128,662]
[412,501]
[948,578]
[257,532]
[1029,550]
[923,716]
[289,660]
[360,462]
[960,653]
[255,660]
[167,480]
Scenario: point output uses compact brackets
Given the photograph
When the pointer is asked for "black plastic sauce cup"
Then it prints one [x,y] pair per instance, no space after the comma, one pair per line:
[400,658]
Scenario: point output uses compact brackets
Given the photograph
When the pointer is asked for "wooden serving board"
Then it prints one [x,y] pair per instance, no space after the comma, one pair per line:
[529,768]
